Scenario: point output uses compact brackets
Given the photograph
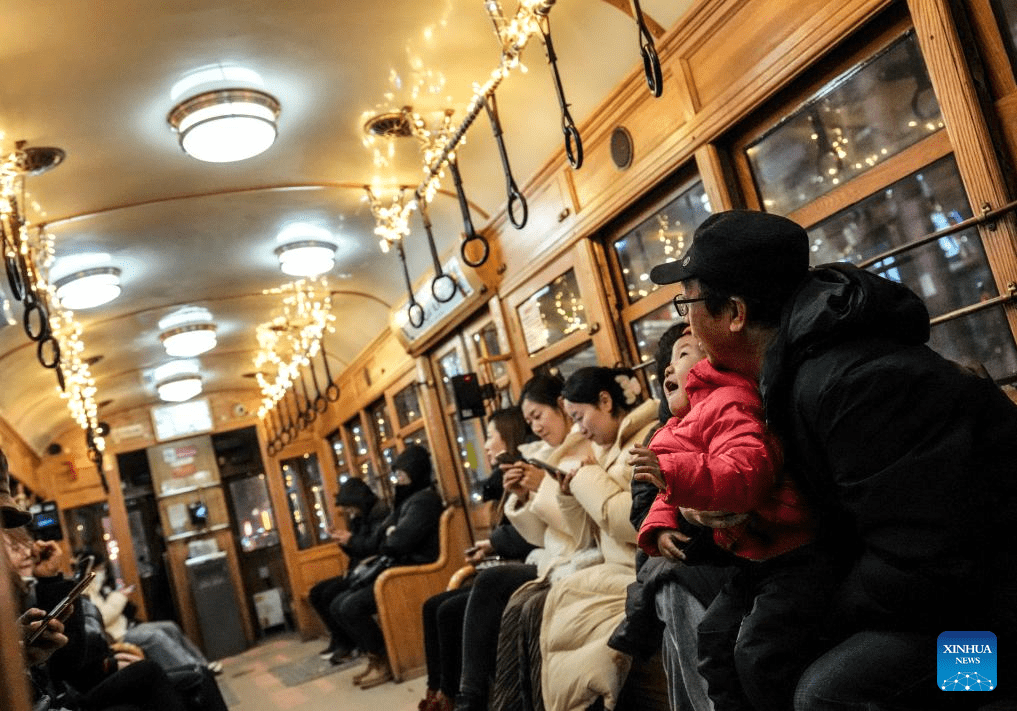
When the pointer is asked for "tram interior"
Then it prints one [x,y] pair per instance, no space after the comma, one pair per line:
[208,328]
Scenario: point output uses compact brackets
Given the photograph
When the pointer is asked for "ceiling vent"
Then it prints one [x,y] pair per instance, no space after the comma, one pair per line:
[390,124]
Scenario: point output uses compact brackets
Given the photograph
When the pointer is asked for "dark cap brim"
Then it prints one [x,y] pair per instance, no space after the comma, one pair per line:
[670,273]
[13,517]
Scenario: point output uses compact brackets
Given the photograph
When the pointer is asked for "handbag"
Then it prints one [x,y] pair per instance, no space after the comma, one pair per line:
[368,570]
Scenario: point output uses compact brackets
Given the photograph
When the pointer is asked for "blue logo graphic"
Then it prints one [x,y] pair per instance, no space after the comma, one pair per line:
[967,661]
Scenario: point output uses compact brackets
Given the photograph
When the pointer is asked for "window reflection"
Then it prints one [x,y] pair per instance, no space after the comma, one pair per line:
[486,341]
[662,237]
[418,437]
[647,332]
[378,416]
[450,364]
[1006,14]
[572,361]
[407,405]
[252,510]
[948,274]
[357,437]
[470,449]
[860,119]
[552,313]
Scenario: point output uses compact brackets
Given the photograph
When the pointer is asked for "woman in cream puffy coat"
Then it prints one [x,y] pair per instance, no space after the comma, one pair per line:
[584,607]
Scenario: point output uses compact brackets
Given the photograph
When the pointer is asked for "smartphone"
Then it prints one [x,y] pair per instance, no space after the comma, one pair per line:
[553,471]
[62,606]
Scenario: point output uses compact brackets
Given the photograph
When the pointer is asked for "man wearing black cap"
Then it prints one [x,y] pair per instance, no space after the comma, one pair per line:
[908,459]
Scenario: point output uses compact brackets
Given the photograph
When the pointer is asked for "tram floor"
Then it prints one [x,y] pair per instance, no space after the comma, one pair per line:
[248,683]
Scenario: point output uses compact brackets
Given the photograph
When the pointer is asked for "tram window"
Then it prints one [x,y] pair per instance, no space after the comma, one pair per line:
[662,237]
[552,313]
[418,437]
[470,449]
[487,343]
[647,332]
[305,494]
[338,450]
[252,510]
[407,405]
[1006,14]
[572,361]
[859,120]
[450,364]
[379,420]
[356,431]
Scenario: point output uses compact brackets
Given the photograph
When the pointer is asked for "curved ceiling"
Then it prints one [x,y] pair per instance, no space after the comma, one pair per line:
[99,79]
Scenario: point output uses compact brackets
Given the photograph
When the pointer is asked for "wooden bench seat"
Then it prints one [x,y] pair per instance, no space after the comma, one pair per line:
[402,591]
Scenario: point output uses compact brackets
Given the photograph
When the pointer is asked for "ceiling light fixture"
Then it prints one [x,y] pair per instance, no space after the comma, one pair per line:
[88,288]
[226,125]
[306,258]
[179,389]
[188,341]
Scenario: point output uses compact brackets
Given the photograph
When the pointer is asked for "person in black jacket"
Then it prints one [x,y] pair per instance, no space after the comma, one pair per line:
[907,458]
[409,537]
[365,513]
[444,614]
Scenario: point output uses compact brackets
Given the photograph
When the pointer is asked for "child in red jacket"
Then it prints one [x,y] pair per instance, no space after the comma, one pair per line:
[716,454]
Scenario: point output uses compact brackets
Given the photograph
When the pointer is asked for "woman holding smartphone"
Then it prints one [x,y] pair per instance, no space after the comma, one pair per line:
[532,509]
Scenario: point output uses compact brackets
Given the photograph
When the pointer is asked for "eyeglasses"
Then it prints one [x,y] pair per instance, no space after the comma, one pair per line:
[681,304]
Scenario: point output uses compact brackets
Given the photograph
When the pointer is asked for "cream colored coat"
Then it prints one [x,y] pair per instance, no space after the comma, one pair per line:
[540,520]
[584,608]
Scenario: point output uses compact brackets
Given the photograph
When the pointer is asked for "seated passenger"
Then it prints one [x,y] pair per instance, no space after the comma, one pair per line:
[532,508]
[364,513]
[716,454]
[410,538]
[575,667]
[668,600]
[444,613]
[162,641]
[907,459]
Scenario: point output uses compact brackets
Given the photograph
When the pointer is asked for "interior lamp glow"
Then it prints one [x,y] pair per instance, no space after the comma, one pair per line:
[179,389]
[306,258]
[88,288]
[226,125]
[188,341]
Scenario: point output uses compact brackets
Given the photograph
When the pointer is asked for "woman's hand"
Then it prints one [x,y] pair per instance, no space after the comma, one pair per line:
[50,641]
[712,519]
[646,467]
[479,551]
[521,478]
[667,543]
[566,481]
[342,536]
[48,558]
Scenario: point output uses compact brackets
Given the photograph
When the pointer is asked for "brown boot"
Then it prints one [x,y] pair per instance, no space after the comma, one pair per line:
[366,670]
[378,673]
[428,702]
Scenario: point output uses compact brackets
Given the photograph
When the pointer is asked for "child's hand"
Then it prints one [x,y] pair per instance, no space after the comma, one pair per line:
[668,540]
[646,467]
[712,519]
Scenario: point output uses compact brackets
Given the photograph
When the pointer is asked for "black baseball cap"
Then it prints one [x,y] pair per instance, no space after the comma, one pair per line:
[745,252]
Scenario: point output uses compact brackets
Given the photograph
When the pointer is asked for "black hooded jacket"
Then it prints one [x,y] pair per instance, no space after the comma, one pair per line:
[366,527]
[411,530]
[909,459]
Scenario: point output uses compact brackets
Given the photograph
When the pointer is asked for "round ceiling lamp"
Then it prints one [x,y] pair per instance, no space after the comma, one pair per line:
[179,389]
[226,125]
[88,288]
[188,341]
[306,258]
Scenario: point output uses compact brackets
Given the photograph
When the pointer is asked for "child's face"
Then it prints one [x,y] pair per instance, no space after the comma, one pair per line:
[684,354]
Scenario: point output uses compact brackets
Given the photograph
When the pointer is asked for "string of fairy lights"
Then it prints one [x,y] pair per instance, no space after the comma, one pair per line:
[27,258]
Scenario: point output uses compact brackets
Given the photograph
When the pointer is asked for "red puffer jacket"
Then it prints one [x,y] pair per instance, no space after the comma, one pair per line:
[720,457]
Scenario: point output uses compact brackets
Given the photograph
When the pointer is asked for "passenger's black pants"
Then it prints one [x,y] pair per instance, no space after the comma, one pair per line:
[321,597]
[353,612]
[443,639]
[488,598]
[763,629]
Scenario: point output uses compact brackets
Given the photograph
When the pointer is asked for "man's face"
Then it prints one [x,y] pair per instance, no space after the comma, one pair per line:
[711,331]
